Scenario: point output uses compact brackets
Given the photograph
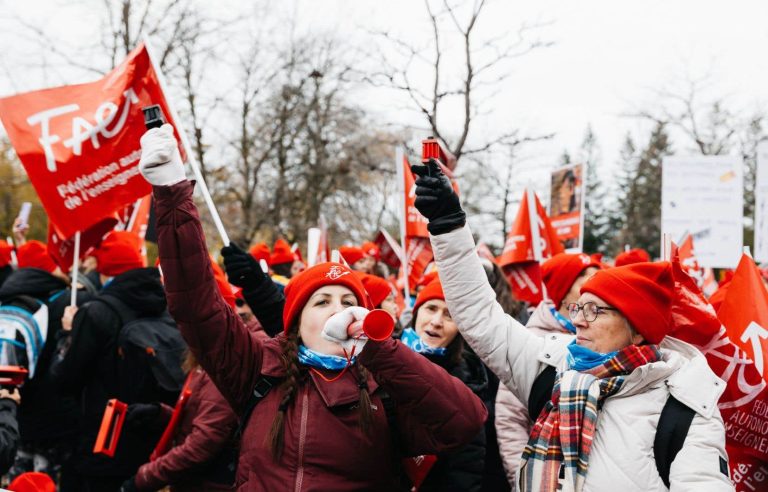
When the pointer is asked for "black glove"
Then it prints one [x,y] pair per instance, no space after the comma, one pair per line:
[143,416]
[436,200]
[129,485]
[242,269]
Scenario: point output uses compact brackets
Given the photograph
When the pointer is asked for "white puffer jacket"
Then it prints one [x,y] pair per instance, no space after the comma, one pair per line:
[621,458]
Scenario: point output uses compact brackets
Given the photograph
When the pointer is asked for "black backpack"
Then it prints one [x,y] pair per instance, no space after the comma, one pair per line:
[674,422]
[150,352]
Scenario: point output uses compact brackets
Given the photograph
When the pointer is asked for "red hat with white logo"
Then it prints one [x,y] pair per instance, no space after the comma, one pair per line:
[302,286]
[561,271]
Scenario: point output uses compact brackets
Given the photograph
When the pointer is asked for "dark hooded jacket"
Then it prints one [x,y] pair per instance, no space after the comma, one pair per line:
[89,369]
[44,414]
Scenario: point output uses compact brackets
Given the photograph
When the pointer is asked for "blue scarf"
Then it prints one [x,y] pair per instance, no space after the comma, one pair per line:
[583,359]
[564,322]
[413,342]
[311,358]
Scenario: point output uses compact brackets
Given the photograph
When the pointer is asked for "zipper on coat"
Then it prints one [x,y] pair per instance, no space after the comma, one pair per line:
[302,438]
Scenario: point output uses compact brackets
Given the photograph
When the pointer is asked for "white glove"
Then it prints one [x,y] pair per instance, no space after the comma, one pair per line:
[337,326]
[160,162]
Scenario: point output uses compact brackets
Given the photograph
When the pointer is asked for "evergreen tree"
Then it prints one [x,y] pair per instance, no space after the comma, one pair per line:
[596,223]
[641,202]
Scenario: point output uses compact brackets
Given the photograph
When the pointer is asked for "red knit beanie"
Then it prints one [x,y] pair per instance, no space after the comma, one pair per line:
[5,253]
[378,289]
[434,290]
[427,279]
[561,271]
[118,252]
[642,292]
[370,249]
[636,255]
[302,286]
[34,254]
[281,253]
[260,251]
[351,254]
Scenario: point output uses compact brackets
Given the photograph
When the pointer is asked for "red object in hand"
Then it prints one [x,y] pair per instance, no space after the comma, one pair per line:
[111,425]
[377,325]
[431,149]
[13,375]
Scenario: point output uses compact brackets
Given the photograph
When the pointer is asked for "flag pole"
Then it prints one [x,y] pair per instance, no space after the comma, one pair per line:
[403,215]
[187,147]
[533,217]
[75,270]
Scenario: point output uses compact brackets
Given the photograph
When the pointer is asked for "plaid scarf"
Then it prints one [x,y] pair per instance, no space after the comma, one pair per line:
[562,435]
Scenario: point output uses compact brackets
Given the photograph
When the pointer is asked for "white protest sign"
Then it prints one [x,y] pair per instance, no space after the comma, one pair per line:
[761,204]
[704,196]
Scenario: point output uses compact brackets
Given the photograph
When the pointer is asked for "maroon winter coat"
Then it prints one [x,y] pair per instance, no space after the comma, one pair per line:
[206,427]
[324,446]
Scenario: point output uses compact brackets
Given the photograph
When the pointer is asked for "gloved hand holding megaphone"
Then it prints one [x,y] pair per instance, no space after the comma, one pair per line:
[354,326]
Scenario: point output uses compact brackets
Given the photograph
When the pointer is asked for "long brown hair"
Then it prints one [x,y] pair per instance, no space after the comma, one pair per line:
[293,376]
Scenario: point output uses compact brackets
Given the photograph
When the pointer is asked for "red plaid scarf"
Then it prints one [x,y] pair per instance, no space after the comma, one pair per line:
[562,435]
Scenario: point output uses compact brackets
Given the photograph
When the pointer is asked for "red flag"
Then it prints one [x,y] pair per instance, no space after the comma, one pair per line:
[62,250]
[389,251]
[743,404]
[80,143]
[139,221]
[744,312]
[518,259]
[419,257]
[415,223]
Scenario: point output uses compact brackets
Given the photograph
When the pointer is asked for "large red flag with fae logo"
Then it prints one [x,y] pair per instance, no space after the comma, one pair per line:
[80,143]
[518,260]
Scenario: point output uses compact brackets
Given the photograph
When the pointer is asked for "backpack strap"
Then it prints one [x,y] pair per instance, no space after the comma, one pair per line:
[541,392]
[260,390]
[674,422]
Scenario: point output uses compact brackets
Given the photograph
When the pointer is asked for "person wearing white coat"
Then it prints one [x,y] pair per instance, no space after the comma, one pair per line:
[597,432]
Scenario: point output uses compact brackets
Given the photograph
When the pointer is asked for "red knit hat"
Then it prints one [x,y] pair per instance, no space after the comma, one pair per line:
[371,249]
[351,254]
[118,252]
[561,271]
[378,289]
[260,251]
[5,253]
[642,292]
[281,253]
[427,279]
[34,254]
[223,284]
[636,255]
[434,290]
[302,286]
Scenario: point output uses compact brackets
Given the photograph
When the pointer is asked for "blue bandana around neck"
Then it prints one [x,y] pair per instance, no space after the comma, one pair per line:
[583,359]
[309,357]
[564,322]
[413,342]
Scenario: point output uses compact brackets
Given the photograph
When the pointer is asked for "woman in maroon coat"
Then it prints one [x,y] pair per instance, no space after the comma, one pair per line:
[320,429]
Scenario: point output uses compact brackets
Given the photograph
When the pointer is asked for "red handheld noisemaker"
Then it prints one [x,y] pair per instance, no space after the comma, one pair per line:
[111,425]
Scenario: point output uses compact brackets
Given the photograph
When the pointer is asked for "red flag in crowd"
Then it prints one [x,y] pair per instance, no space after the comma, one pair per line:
[418,249]
[744,312]
[62,250]
[743,403]
[389,251]
[80,143]
[518,258]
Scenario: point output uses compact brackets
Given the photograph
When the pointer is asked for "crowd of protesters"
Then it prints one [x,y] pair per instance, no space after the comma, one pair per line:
[248,373]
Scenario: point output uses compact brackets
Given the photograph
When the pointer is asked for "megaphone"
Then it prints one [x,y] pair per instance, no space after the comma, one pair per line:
[377,325]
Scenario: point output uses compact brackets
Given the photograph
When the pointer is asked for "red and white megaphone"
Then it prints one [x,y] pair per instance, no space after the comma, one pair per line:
[377,325]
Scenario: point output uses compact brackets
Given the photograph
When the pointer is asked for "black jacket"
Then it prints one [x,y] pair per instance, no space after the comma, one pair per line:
[89,368]
[461,470]
[9,434]
[45,414]
[5,272]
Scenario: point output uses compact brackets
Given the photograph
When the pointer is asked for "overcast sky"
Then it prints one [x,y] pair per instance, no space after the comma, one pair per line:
[608,56]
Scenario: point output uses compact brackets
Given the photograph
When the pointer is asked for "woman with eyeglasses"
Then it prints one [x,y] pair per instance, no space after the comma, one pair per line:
[599,398]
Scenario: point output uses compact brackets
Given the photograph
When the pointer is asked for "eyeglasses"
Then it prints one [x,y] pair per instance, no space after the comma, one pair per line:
[590,310]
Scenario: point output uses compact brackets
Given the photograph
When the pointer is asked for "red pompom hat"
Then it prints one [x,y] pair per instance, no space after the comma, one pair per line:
[302,286]
[34,254]
[118,252]
[351,254]
[632,256]
[378,289]
[561,271]
[260,251]
[434,290]
[642,292]
[371,249]
[5,253]
[281,253]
